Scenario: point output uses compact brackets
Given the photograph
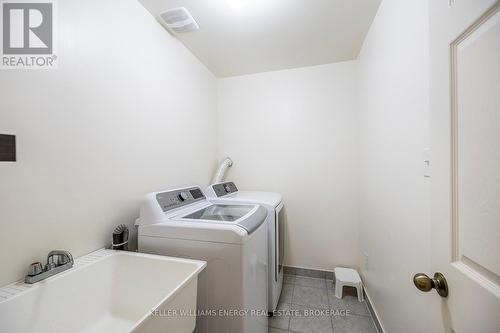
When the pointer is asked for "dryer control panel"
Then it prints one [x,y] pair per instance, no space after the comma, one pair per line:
[178,198]
[224,188]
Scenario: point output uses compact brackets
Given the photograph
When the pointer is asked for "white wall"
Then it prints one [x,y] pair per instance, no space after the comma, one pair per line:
[394,198]
[129,111]
[294,132]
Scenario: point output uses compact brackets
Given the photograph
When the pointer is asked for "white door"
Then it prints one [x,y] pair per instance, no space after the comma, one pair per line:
[465,162]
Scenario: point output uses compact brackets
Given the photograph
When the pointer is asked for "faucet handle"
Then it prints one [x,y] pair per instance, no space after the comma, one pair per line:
[35,269]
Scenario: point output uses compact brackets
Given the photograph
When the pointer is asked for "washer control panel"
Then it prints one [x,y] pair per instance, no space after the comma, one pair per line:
[224,188]
[178,198]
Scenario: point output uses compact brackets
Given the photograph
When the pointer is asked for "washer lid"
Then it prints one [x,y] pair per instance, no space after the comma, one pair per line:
[249,217]
[231,232]
[226,213]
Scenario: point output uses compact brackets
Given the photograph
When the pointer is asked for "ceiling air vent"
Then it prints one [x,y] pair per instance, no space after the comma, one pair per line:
[179,20]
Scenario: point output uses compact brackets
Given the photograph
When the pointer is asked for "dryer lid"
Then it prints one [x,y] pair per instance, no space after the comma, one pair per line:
[228,190]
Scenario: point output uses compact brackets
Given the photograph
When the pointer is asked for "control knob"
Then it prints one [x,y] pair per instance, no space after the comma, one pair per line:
[183,196]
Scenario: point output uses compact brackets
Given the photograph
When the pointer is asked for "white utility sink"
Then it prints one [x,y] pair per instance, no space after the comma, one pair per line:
[107,291]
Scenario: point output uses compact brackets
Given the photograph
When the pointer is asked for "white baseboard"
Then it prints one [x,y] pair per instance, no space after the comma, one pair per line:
[375,316]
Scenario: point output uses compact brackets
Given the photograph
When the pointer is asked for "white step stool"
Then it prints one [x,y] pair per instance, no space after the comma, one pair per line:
[347,277]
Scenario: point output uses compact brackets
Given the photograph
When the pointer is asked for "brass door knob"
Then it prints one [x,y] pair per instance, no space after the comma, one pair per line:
[425,283]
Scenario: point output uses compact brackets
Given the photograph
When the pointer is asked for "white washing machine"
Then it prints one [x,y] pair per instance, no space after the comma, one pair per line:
[227,192]
[231,238]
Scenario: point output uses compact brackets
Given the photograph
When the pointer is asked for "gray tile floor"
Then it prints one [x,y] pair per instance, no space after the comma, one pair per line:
[309,305]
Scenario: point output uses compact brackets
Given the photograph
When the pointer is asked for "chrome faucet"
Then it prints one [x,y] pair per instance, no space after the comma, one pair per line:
[57,262]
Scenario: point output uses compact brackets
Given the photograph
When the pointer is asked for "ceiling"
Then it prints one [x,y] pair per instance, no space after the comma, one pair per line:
[239,37]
